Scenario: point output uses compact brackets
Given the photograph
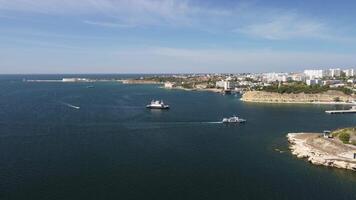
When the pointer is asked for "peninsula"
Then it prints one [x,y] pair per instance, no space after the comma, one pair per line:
[263,88]
[335,149]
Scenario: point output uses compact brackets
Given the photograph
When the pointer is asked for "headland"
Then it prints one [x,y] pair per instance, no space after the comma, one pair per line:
[336,149]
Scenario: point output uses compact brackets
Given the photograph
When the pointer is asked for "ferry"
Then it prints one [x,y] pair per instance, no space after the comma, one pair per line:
[155,104]
[233,119]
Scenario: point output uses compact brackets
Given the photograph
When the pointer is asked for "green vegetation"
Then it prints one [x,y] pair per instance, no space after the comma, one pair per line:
[346,90]
[185,82]
[344,137]
[299,87]
[296,88]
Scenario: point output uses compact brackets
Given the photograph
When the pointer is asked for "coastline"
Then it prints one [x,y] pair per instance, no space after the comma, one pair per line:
[132,81]
[300,102]
[195,89]
[129,81]
[322,151]
[330,98]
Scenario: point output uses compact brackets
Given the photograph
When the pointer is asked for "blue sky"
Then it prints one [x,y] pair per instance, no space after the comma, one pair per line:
[175,36]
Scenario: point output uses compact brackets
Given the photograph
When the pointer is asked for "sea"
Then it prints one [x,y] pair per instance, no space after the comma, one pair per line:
[65,141]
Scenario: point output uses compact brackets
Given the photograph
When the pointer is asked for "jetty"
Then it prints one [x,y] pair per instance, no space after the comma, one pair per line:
[352,110]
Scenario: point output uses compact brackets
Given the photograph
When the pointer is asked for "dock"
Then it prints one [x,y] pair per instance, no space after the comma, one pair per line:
[340,111]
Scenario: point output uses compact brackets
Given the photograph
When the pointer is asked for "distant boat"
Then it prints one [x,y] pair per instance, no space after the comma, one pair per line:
[233,119]
[71,106]
[155,104]
[90,86]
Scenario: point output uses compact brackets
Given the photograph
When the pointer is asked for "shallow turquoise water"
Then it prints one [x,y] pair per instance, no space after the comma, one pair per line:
[114,148]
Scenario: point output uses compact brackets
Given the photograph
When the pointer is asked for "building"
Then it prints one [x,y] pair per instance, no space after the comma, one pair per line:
[274,77]
[298,77]
[331,82]
[335,72]
[313,82]
[225,84]
[349,72]
[351,81]
[168,85]
[314,74]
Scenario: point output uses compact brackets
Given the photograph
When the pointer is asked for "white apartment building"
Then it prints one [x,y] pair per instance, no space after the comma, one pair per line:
[273,77]
[313,82]
[349,72]
[298,77]
[335,72]
[313,74]
[225,84]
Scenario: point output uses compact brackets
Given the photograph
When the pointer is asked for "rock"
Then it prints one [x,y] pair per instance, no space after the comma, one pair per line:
[273,97]
[317,150]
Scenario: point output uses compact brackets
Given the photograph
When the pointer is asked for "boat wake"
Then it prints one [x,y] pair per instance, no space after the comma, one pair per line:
[212,122]
[70,105]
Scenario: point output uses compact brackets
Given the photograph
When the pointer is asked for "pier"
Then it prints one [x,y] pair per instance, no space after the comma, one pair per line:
[340,111]
[351,110]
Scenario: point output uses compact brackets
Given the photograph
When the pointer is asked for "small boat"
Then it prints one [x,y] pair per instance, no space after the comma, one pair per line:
[90,86]
[155,104]
[233,119]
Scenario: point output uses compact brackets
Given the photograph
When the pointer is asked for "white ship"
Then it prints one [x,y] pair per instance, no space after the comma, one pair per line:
[233,119]
[157,105]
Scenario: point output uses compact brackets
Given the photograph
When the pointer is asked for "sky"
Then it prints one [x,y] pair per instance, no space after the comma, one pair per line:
[175,36]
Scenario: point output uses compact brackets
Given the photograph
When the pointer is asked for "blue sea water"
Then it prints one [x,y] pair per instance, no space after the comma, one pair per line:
[114,148]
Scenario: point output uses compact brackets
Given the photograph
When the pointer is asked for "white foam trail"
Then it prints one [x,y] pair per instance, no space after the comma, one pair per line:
[71,106]
[212,122]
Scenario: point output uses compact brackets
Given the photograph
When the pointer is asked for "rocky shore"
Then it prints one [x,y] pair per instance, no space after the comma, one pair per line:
[322,151]
[329,97]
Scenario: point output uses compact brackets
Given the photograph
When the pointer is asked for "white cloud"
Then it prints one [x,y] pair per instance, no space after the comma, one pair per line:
[286,26]
[133,12]
[108,24]
[245,18]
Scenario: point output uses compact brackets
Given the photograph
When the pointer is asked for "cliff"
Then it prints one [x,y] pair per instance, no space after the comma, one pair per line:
[322,151]
[273,97]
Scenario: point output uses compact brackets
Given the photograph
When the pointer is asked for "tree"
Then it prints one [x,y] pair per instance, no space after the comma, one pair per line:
[337,99]
[344,137]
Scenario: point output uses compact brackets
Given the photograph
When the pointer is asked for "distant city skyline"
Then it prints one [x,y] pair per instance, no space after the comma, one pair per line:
[175,36]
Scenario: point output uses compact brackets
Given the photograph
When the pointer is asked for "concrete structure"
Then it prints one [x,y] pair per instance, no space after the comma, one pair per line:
[225,84]
[335,72]
[313,74]
[331,82]
[298,77]
[168,85]
[349,72]
[273,77]
[351,81]
[313,82]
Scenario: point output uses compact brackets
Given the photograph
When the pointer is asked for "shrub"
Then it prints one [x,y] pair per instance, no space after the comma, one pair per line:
[344,137]
[353,142]
[337,99]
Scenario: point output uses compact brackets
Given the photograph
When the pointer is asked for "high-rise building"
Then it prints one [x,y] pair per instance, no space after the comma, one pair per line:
[312,73]
[349,72]
[335,72]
